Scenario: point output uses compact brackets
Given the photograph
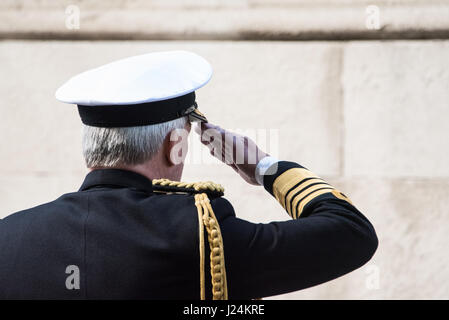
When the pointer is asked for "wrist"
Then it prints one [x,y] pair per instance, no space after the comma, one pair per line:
[266,166]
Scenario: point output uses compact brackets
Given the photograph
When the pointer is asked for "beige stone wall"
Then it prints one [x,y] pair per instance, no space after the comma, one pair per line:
[224,20]
[369,116]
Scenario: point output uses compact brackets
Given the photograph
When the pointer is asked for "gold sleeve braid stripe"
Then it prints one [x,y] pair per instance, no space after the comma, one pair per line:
[300,190]
[296,187]
[206,220]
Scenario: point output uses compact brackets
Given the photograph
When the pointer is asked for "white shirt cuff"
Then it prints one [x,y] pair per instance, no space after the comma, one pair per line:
[263,166]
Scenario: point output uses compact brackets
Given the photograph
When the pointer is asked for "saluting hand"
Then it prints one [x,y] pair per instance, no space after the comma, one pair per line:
[238,151]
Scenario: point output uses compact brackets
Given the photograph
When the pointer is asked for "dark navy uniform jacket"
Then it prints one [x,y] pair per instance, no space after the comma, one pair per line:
[129,242]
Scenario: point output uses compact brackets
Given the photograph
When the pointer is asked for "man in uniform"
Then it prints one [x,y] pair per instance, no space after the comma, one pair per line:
[132,231]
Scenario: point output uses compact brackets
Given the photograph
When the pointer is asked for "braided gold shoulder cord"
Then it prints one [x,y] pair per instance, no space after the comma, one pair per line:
[207,218]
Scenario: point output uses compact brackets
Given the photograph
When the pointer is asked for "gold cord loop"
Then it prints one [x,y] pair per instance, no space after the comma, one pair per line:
[208,220]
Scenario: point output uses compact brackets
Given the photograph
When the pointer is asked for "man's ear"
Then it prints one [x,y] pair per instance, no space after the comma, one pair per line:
[176,146]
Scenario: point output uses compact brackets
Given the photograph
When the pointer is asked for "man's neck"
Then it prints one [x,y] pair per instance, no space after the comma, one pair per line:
[151,170]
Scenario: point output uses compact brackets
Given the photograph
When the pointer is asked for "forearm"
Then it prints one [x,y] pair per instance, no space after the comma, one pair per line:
[295,187]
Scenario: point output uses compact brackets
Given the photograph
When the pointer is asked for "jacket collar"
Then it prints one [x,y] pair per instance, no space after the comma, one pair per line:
[116,178]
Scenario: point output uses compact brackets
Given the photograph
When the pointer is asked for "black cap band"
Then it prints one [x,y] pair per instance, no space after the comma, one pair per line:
[142,114]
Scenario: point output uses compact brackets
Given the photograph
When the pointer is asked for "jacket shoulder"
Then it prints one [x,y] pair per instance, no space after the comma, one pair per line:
[214,191]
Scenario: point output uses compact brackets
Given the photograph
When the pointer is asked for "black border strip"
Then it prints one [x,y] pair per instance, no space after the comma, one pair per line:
[115,116]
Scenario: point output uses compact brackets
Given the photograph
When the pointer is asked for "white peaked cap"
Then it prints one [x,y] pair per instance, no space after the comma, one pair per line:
[140,90]
[146,78]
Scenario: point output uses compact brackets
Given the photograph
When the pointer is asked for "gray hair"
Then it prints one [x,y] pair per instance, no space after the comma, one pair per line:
[112,147]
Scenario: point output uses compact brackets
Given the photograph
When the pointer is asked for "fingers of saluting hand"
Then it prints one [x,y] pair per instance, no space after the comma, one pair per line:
[208,128]
[211,134]
[220,142]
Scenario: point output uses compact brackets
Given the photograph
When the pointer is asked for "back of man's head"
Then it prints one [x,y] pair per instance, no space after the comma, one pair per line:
[127,146]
